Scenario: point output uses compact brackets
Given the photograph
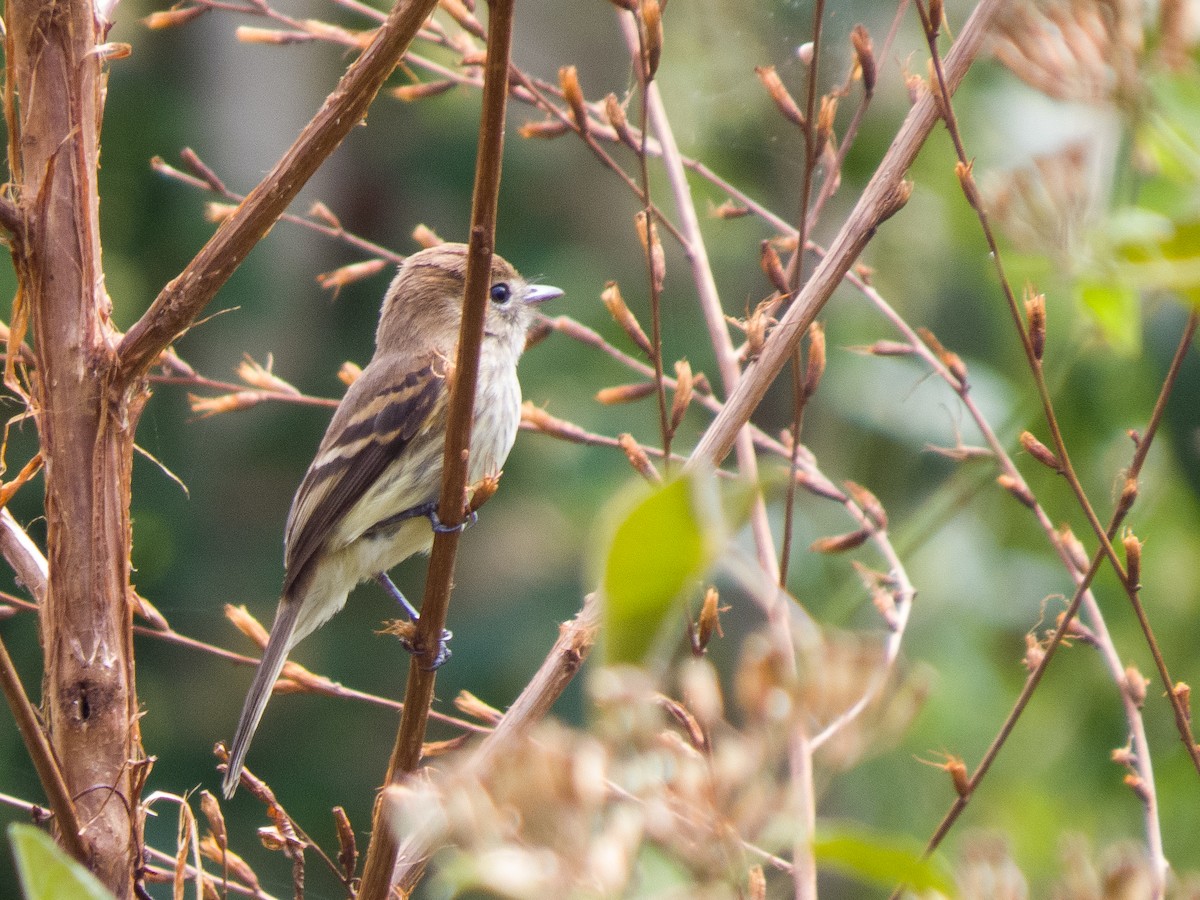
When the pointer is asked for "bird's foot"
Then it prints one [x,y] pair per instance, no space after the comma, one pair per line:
[407,632]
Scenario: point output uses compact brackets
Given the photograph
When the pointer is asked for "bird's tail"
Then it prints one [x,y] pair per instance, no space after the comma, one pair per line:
[269,668]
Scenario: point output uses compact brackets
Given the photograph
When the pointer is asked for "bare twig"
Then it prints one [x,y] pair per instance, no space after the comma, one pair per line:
[381,854]
[883,196]
[180,301]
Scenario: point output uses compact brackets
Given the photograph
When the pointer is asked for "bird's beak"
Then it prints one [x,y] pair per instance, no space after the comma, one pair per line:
[540,293]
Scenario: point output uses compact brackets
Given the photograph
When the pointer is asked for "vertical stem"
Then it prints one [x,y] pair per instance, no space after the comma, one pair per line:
[86,430]
[406,756]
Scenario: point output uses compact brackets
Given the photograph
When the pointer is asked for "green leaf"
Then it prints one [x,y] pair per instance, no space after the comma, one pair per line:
[881,859]
[1117,311]
[661,544]
[47,872]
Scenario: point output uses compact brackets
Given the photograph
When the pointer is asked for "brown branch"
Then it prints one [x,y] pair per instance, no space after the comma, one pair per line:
[173,311]
[883,196]
[562,663]
[406,756]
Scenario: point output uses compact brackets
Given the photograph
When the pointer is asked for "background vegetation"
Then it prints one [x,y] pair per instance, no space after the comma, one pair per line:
[985,575]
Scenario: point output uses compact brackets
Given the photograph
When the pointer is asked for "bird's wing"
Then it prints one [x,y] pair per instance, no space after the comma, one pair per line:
[394,400]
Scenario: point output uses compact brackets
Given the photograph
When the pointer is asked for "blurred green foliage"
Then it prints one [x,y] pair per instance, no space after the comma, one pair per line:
[984,573]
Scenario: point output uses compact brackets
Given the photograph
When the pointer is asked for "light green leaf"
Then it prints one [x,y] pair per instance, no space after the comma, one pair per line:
[881,859]
[47,872]
[1117,311]
[660,545]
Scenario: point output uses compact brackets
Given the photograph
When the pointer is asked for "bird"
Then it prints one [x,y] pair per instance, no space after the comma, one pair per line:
[368,500]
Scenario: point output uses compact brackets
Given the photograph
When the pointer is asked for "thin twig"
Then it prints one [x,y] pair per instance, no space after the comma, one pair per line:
[178,304]
[380,864]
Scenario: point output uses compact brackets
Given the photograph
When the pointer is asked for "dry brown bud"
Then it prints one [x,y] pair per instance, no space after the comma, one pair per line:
[869,504]
[248,34]
[537,419]
[433,749]
[693,731]
[1133,560]
[1138,786]
[1040,452]
[349,373]
[623,316]
[260,376]
[956,769]
[246,624]
[625,393]
[568,80]
[1123,756]
[339,278]
[840,543]
[683,393]
[815,367]
[729,210]
[887,348]
[821,487]
[1018,489]
[709,622]
[170,18]
[784,102]
[1074,548]
[426,237]
[966,180]
[653,248]
[206,407]
[1035,315]
[772,267]
[347,843]
[551,128]
[1183,692]
[637,457]
[470,705]
[1136,684]
[947,358]
[482,491]
[864,54]
[917,86]
[652,19]
[216,821]
[615,113]
[422,89]
[756,884]
[825,119]
[937,15]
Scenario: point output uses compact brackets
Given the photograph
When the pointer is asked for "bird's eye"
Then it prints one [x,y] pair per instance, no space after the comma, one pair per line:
[501,293]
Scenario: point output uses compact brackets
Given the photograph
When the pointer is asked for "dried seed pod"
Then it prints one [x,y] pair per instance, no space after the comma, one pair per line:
[410,93]
[638,459]
[537,419]
[966,180]
[1133,560]
[623,316]
[784,101]
[347,844]
[869,504]
[1035,315]
[349,373]
[772,267]
[864,54]
[1040,452]
[648,235]
[652,19]
[1129,492]
[339,278]
[470,705]
[170,18]
[825,119]
[547,130]
[709,621]
[625,393]
[426,236]
[888,348]
[840,543]
[1018,489]
[1183,692]
[1135,685]
[815,366]
[568,80]
[729,210]
[683,393]
[1073,547]
[615,113]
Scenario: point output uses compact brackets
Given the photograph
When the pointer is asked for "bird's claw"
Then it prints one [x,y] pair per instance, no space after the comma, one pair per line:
[443,650]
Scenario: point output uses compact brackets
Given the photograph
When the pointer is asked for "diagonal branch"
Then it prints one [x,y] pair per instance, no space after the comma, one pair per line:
[173,311]
[884,195]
